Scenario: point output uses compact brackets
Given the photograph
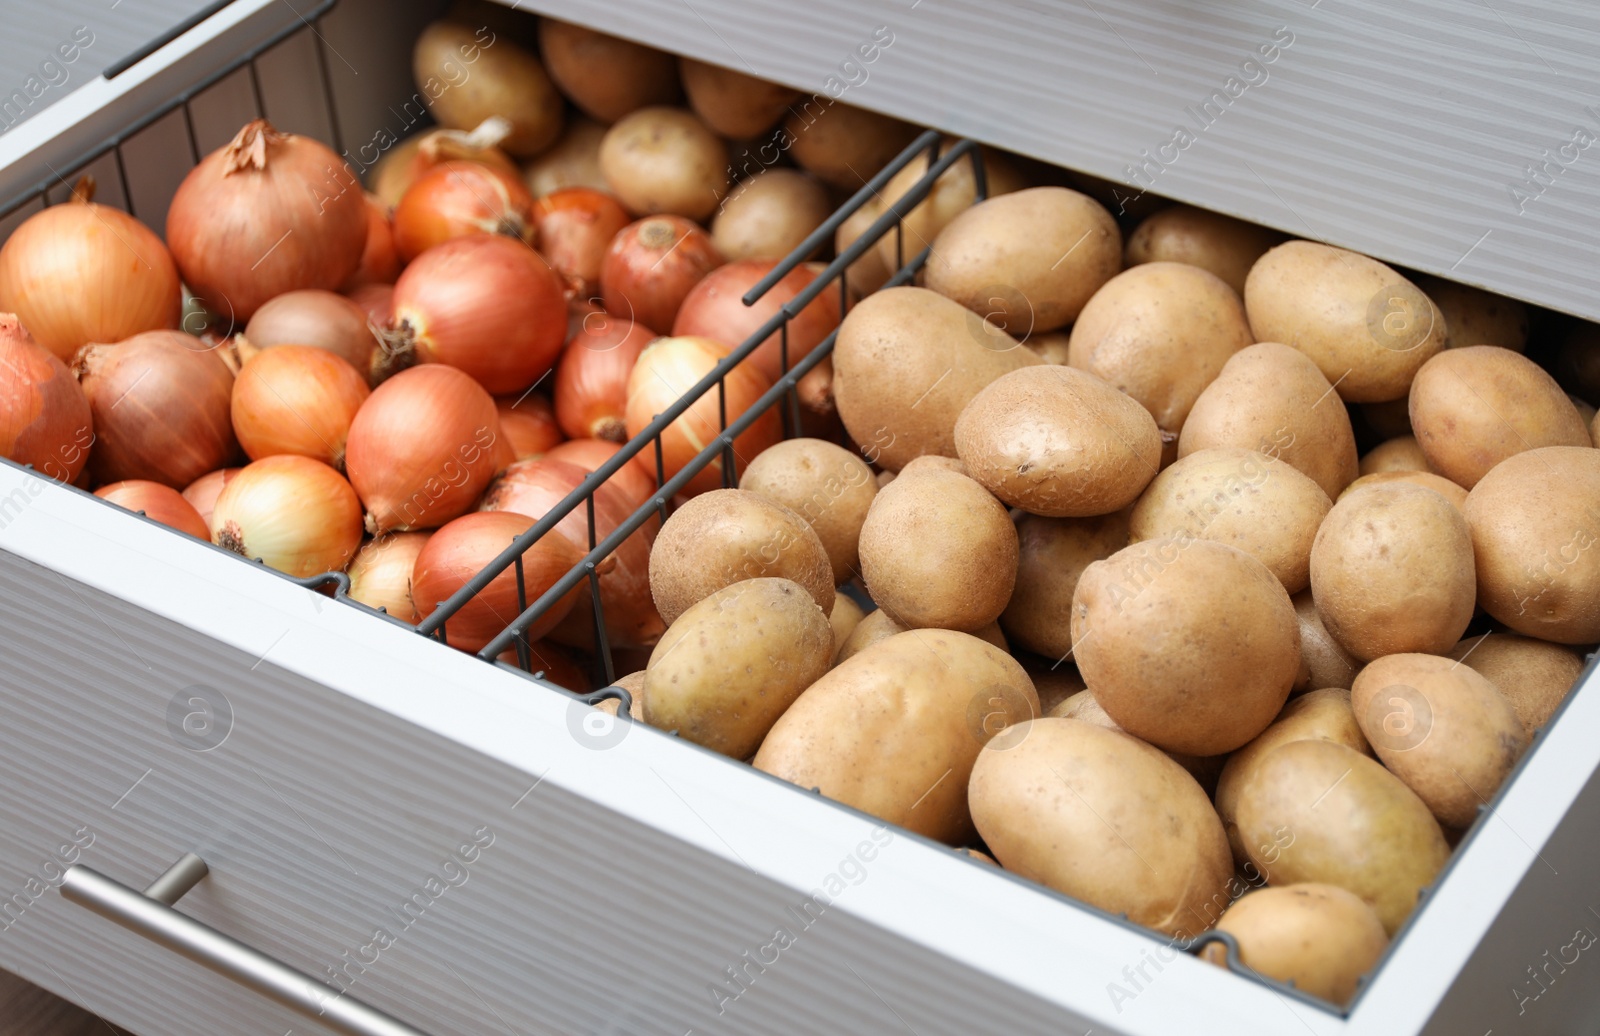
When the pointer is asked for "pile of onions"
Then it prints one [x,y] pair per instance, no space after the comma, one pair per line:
[534,488]
[161,408]
[575,226]
[319,318]
[591,386]
[267,213]
[463,548]
[79,272]
[422,448]
[461,198]
[380,259]
[44,417]
[202,493]
[670,368]
[416,155]
[380,575]
[485,304]
[636,479]
[296,399]
[529,424]
[296,514]
[159,503]
[650,267]
[714,309]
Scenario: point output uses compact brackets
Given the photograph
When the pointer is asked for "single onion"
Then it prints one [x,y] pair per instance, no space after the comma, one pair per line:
[463,548]
[159,503]
[297,399]
[380,574]
[296,514]
[267,213]
[160,404]
[591,387]
[422,448]
[666,371]
[461,198]
[416,155]
[485,304]
[202,493]
[320,318]
[44,416]
[554,663]
[636,478]
[529,424]
[534,488]
[79,272]
[650,267]
[376,301]
[575,227]
[380,259]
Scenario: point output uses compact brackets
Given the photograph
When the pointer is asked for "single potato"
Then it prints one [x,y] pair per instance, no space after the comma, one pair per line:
[769,215]
[1053,554]
[1218,244]
[736,105]
[878,625]
[895,730]
[1082,705]
[606,76]
[953,193]
[633,683]
[1401,453]
[1323,661]
[844,619]
[1426,479]
[842,145]
[827,485]
[573,161]
[1534,675]
[1319,937]
[507,71]
[1473,316]
[665,160]
[869,272]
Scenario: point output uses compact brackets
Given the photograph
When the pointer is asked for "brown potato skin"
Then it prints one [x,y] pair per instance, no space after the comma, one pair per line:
[1314,810]
[1081,705]
[1534,675]
[877,625]
[1105,819]
[1028,260]
[1473,316]
[1474,407]
[769,215]
[507,69]
[1535,529]
[1324,713]
[1059,442]
[1222,245]
[1402,453]
[664,160]
[952,193]
[1272,398]
[1392,571]
[1457,753]
[633,683]
[1242,498]
[842,145]
[1323,661]
[1053,554]
[1331,304]
[844,619]
[827,485]
[1152,649]
[1320,937]
[895,730]
[1161,332]
[606,76]
[572,161]
[939,552]
[733,104]
[719,538]
[906,362]
[1426,479]
[868,273]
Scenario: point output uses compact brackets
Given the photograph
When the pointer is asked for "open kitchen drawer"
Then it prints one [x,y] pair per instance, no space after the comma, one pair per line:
[471,851]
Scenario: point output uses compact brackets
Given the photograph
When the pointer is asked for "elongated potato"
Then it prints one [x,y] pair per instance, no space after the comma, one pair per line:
[879,625]
[1320,937]
[1323,660]
[895,730]
[1081,705]
[1053,554]
[1314,810]
[1104,818]
[1534,675]
[1223,245]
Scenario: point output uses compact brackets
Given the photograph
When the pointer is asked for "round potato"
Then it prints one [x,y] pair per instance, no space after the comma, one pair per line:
[844,619]
[1474,407]
[1402,453]
[1161,332]
[1222,245]
[842,145]
[939,552]
[1442,728]
[769,215]
[1323,661]
[606,76]
[1426,479]
[1059,442]
[952,194]
[1315,810]
[1053,554]
[1534,675]
[1105,819]
[727,668]
[827,485]
[1242,498]
[1392,571]
[508,77]
[658,160]
[879,625]
[727,535]
[905,364]
[1367,328]
[1319,937]
[573,161]
[1029,260]
[1473,316]
[1535,526]
[736,105]
[1188,644]
[1324,713]
[1273,399]
[633,683]
[894,730]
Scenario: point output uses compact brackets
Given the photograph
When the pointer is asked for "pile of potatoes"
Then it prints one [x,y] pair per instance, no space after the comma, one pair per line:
[1149,629]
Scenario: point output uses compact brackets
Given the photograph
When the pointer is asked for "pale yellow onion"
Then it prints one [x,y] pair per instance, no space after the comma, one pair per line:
[296,514]
[380,574]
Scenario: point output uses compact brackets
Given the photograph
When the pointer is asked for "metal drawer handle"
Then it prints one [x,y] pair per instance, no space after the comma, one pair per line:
[151,915]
